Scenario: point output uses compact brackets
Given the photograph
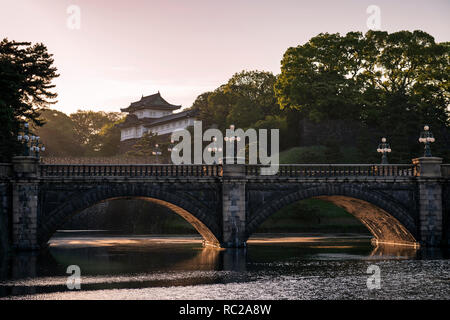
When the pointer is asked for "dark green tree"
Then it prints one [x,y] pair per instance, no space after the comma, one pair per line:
[26,74]
[245,99]
[58,135]
[321,79]
[381,84]
[61,133]
[89,126]
[145,146]
[107,141]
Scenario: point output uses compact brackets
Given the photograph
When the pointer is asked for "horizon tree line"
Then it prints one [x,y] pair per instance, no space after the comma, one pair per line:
[336,93]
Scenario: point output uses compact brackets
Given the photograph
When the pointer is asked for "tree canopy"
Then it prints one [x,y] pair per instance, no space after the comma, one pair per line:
[91,127]
[333,91]
[387,84]
[83,133]
[58,134]
[246,98]
[145,146]
[26,74]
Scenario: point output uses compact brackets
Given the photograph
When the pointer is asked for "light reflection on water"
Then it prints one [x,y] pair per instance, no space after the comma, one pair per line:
[178,267]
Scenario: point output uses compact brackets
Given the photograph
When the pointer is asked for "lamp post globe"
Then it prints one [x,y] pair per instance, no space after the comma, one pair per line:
[384,148]
[30,142]
[427,138]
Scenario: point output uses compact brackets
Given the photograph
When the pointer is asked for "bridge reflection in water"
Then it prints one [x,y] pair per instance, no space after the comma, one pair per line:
[137,262]
[170,265]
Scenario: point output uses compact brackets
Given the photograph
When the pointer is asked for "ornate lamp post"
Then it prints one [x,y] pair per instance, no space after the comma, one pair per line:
[36,146]
[171,147]
[384,148]
[427,138]
[30,143]
[24,138]
[214,149]
[231,140]
[157,152]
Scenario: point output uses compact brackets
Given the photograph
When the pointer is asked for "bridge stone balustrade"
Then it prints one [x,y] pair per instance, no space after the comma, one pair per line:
[401,204]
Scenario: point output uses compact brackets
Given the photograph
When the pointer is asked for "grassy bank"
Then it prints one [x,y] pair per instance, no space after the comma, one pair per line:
[312,215]
[142,217]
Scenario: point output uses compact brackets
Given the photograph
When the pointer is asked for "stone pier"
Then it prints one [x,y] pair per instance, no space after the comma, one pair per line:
[25,192]
[233,204]
[430,199]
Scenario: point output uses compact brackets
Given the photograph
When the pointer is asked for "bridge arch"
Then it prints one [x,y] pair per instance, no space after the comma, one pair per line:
[192,210]
[387,220]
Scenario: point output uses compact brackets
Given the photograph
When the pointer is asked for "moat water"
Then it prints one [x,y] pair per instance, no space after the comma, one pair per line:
[294,266]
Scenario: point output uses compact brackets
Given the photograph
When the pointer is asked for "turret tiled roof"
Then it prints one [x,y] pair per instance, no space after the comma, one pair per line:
[154,101]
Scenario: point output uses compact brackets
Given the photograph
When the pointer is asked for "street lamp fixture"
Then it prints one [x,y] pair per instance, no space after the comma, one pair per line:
[24,138]
[31,144]
[231,139]
[157,152]
[427,138]
[214,149]
[36,146]
[384,148]
[171,146]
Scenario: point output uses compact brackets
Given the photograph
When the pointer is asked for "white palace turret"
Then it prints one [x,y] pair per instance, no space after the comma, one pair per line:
[152,114]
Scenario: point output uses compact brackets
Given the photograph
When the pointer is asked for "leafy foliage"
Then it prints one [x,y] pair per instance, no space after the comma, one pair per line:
[84,133]
[58,134]
[145,146]
[389,84]
[26,74]
[89,124]
[337,92]
[245,99]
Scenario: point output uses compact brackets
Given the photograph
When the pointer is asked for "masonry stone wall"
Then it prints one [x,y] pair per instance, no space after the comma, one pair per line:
[234,203]
[5,207]
[24,215]
[227,209]
[446,212]
[430,207]
[234,215]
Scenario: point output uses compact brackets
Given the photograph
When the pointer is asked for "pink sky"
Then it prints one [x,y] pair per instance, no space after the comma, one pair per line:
[183,48]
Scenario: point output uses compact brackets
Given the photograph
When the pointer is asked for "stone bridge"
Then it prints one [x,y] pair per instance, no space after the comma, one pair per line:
[400,204]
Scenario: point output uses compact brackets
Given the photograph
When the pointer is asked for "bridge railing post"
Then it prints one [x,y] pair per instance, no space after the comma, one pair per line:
[428,175]
[25,191]
[233,206]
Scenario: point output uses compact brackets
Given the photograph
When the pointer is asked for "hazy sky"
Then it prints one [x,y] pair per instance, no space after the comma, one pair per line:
[183,48]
